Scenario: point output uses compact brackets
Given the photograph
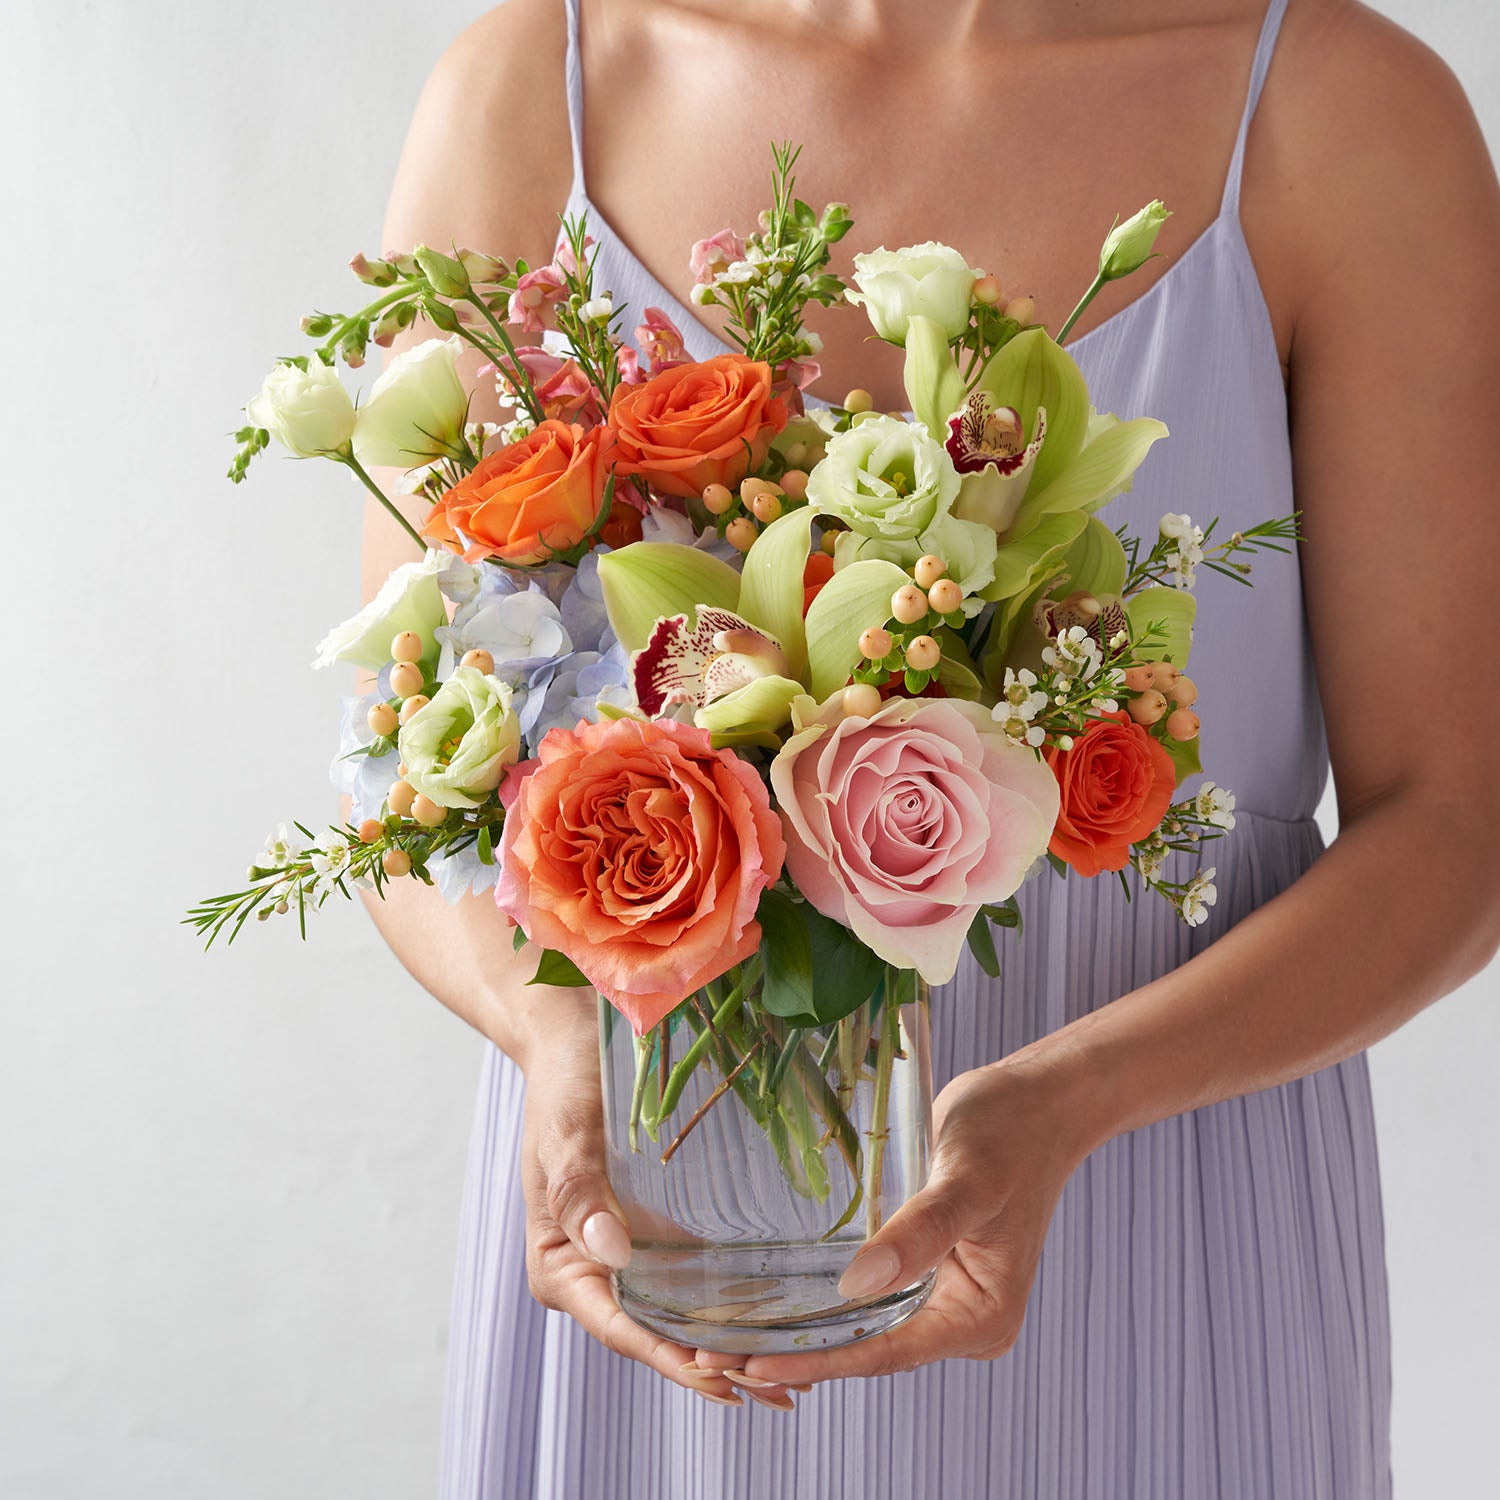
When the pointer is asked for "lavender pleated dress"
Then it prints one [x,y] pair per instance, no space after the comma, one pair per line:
[1209,1320]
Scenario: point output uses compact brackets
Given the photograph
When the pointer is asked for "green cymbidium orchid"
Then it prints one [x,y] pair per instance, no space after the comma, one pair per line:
[1083,458]
[665,580]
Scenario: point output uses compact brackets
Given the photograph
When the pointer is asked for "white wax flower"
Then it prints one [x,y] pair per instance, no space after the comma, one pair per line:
[307,411]
[931,279]
[416,409]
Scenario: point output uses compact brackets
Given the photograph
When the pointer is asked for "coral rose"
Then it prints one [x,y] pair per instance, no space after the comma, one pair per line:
[694,425]
[640,852]
[1116,785]
[901,826]
[527,500]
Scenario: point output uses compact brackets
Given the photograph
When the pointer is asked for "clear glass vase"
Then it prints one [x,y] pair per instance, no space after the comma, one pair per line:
[754,1156]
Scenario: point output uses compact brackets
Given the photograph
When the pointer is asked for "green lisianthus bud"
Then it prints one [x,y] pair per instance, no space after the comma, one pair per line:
[1130,245]
[447,275]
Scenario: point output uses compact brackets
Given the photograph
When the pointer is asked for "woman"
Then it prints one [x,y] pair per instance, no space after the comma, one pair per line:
[1182,1121]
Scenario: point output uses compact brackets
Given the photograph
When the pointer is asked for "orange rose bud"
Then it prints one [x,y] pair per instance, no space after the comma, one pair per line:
[528,500]
[698,424]
[1115,786]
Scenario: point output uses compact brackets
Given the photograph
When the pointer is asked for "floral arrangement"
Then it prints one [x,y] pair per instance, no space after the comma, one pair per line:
[746,709]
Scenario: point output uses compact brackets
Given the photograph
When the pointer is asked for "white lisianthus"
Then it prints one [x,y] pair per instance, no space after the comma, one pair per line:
[307,411]
[931,279]
[416,409]
[457,747]
[885,479]
[410,599]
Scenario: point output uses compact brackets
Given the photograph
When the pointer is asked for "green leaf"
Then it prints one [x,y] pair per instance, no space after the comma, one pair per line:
[771,590]
[855,598]
[485,846]
[1032,371]
[519,940]
[556,968]
[1184,755]
[650,581]
[1007,914]
[1103,469]
[1173,611]
[982,945]
[786,950]
[842,972]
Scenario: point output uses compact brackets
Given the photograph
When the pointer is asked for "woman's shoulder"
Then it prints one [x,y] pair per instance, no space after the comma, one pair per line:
[487,161]
[1365,148]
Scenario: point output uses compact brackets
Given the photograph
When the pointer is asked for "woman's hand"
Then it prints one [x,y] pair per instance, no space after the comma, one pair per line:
[1005,1145]
[575,1227]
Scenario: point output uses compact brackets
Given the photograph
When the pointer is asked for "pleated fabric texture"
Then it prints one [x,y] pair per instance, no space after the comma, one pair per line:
[1209,1320]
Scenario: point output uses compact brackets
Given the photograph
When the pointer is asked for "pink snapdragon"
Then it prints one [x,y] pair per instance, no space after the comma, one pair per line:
[712,255]
[534,295]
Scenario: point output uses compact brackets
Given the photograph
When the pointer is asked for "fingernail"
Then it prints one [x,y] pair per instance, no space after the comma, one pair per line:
[739,1377]
[605,1238]
[776,1403]
[722,1400]
[869,1271]
[795,1387]
[696,1372]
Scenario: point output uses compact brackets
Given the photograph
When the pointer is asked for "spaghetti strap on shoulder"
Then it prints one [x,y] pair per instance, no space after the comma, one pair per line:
[574,76]
[1265,48]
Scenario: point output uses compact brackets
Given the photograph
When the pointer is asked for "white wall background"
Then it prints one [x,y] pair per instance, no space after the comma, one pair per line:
[229,1186]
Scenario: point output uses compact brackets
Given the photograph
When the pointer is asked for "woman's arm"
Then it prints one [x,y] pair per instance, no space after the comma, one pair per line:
[1395,371]
[486,166]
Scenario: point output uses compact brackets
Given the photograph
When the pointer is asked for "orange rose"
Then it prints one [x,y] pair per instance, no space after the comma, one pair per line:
[697,424]
[527,500]
[640,852]
[1116,785]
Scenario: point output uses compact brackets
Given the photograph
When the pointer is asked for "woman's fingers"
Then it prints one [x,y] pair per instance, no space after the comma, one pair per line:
[586,1297]
[576,1193]
[915,1239]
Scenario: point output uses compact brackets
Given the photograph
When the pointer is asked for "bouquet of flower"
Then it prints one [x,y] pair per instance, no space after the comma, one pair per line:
[752,713]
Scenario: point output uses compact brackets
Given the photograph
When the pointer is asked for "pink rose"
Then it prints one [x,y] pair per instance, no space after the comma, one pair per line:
[901,826]
[715,253]
[640,852]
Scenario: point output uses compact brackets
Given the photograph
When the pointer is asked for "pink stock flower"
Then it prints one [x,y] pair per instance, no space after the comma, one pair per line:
[628,362]
[535,293]
[901,826]
[640,852]
[712,255]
